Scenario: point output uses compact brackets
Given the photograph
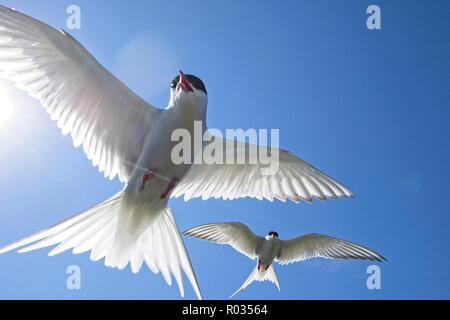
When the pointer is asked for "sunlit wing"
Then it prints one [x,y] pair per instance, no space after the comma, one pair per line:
[235,234]
[99,111]
[294,180]
[317,245]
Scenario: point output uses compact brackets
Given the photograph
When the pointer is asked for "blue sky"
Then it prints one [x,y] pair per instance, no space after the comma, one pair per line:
[369,108]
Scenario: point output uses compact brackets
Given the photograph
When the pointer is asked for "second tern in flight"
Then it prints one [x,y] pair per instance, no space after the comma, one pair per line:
[270,248]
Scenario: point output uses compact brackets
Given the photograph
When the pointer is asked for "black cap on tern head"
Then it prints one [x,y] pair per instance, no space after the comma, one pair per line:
[273,233]
[195,81]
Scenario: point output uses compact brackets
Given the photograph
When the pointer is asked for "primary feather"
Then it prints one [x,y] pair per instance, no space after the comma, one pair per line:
[83,97]
[294,180]
[317,245]
[235,234]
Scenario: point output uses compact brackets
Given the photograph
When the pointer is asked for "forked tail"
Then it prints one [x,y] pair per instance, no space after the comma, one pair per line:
[260,275]
[158,244]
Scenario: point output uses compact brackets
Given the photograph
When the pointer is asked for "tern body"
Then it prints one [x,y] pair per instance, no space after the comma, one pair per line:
[270,248]
[267,251]
[156,154]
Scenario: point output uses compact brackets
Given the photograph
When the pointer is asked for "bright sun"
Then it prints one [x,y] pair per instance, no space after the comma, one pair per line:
[6,110]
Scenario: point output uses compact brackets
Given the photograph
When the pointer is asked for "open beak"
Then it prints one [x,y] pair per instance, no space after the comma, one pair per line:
[184,83]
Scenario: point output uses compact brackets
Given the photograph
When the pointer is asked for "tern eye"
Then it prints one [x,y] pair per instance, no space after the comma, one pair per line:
[175,81]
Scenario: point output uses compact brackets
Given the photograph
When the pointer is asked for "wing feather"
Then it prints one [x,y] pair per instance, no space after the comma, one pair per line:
[317,245]
[85,100]
[235,234]
[294,180]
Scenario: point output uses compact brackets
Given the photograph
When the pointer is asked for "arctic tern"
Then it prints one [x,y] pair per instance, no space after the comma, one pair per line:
[270,248]
[128,138]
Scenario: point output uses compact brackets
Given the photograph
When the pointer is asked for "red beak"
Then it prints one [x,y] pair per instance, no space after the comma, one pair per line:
[184,83]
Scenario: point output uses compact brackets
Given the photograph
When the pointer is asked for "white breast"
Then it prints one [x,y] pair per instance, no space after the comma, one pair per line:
[157,153]
[267,251]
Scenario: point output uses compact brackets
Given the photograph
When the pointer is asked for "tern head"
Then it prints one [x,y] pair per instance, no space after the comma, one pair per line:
[187,88]
[271,235]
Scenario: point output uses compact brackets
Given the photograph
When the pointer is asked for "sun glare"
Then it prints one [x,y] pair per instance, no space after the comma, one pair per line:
[6,110]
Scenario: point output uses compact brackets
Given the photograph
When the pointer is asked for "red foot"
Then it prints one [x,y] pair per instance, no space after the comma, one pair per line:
[172,184]
[146,177]
[267,267]
[259,265]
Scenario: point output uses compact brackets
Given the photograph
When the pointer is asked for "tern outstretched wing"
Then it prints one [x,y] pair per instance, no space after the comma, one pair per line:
[87,101]
[289,178]
[317,245]
[235,234]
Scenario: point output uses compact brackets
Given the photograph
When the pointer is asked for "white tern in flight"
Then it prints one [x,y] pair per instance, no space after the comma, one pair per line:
[128,138]
[271,248]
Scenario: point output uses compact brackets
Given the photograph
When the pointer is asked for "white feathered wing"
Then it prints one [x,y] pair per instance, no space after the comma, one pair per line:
[283,176]
[87,102]
[110,122]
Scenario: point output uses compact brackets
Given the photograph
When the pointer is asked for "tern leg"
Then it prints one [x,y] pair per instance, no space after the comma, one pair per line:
[146,177]
[172,184]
